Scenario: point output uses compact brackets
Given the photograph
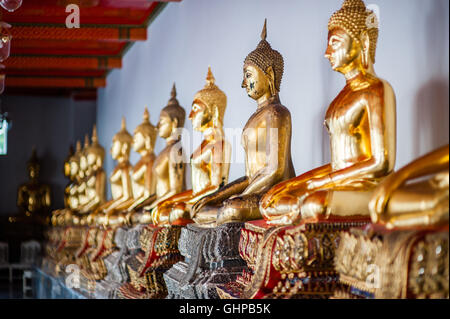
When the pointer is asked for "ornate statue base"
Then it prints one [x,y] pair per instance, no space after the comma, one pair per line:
[288,262]
[93,267]
[211,258]
[391,264]
[145,266]
[114,263]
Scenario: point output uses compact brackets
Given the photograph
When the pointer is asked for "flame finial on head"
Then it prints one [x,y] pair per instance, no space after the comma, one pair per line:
[264,30]
[94,137]
[146,116]
[86,141]
[210,80]
[78,147]
[173,93]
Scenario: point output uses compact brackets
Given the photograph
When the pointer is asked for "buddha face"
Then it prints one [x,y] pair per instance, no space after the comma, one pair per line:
[138,142]
[342,50]
[199,116]
[255,82]
[83,163]
[33,171]
[92,159]
[165,126]
[116,149]
[73,168]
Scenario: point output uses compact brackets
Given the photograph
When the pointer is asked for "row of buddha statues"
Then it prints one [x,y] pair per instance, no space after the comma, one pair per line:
[152,220]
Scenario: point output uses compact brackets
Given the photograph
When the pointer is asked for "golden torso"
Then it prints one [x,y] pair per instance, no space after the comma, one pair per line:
[142,175]
[161,171]
[255,137]
[120,181]
[34,197]
[348,123]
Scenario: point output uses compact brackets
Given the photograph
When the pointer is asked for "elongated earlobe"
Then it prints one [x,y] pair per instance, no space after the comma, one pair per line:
[365,42]
[271,75]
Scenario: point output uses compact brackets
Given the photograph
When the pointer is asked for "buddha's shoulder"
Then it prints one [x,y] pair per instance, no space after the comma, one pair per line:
[278,109]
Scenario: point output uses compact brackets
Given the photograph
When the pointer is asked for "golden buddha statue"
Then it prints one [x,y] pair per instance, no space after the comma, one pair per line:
[142,181]
[402,201]
[361,122]
[33,197]
[83,173]
[74,176]
[66,170]
[168,166]
[96,178]
[120,179]
[210,162]
[266,140]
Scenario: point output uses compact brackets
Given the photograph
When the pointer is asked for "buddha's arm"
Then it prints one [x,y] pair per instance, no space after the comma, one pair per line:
[149,186]
[291,186]
[428,164]
[219,162]
[126,190]
[100,187]
[225,192]
[277,150]
[176,180]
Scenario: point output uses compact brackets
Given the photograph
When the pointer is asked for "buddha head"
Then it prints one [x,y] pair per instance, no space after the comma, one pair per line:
[172,117]
[120,149]
[33,166]
[75,161]
[144,137]
[83,157]
[263,69]
[95,153]
[352,37]
[67,162]
[208,107]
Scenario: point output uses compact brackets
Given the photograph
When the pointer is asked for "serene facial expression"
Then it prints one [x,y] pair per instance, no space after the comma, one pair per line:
[164,126]
[91,159]
[199,116]
[138,142]
[341,49]
[255,82]
[115,149]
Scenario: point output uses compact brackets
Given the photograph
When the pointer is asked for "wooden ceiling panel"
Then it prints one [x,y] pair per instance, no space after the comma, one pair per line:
[48,57]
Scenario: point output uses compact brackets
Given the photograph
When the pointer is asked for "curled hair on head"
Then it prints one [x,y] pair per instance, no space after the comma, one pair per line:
[354,18]
[264,57]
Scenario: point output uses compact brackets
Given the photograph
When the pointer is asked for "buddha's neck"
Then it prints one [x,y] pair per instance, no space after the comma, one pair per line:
[213,133]
[356,71]
[267,99]
[174,137]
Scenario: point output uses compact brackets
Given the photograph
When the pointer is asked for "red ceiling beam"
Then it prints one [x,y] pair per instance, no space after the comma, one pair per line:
[115,33]
[54,82]
[63,62]
[67,47]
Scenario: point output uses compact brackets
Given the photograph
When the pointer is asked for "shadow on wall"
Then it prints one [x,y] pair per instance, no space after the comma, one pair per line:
[432,111]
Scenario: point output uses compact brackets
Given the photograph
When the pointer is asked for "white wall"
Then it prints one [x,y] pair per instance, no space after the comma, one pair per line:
[413,55]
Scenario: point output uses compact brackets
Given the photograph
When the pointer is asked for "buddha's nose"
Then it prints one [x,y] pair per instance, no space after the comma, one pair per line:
[243,85]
